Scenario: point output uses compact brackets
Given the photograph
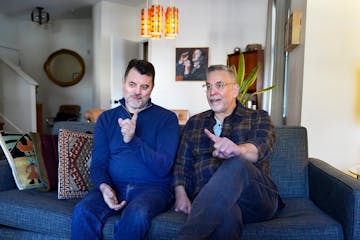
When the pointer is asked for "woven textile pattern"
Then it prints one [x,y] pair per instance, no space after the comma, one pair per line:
[74,163]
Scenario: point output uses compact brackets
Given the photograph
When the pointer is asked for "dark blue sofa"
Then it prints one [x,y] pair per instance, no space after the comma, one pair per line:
[321,201]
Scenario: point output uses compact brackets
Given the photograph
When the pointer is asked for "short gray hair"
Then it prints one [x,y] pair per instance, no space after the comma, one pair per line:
[220,67]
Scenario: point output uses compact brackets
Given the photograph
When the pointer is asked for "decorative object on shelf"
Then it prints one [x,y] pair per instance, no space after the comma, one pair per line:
[253,47]
[152,21]
[65,67]
[237,49]
[191,63]
[40,16]
[292,30]
[244,83]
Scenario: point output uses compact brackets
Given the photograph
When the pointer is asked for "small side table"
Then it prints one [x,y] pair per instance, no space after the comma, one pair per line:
[355,170]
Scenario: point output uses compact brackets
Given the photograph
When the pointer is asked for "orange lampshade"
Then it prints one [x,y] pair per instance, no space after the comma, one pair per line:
[156,19]
[171,22]
[152,21]
[145,30]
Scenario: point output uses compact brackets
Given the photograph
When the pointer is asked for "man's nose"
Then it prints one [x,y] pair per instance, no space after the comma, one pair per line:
[138,90]
[212,90]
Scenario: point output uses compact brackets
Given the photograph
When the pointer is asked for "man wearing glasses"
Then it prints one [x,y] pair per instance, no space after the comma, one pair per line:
[222,175]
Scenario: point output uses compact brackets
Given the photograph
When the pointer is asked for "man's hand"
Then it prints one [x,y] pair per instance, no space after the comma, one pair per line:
[182,202]
[128,127]
[187,65]
[110,198]
[183,57]
[225,148]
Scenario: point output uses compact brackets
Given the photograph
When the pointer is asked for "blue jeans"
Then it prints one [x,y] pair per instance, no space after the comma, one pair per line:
[144,201]
[237,193]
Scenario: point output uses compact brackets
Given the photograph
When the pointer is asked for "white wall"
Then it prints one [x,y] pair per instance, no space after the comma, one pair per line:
[8,39]
[33,43]
[221,26]
[37,42]
[109,20]
[331,86]
[18,98]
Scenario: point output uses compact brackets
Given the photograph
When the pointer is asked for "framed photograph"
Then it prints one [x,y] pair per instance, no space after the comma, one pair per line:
[191,63]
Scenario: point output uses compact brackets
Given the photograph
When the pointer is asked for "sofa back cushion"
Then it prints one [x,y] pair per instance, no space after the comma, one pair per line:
[86,127]
[289,161]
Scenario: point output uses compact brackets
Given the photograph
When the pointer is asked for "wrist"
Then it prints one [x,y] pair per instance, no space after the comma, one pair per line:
[180,191]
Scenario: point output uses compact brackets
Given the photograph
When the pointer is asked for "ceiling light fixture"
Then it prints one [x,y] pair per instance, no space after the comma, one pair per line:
[40,16]
[152,21]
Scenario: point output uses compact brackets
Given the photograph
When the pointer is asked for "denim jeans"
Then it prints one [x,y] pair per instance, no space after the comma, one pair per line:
[237,193]
[144,201]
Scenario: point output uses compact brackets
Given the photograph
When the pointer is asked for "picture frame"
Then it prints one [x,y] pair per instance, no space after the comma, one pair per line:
[191,63]
[292,30]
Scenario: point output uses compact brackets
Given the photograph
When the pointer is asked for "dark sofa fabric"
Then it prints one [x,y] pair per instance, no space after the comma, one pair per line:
[321,202]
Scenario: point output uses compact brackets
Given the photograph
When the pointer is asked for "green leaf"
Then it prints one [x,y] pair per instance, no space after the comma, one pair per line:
[249,96]
[244,84]
[241,69]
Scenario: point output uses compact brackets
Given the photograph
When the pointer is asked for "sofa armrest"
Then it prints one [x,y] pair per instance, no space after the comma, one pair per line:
[6,178]
[337,194]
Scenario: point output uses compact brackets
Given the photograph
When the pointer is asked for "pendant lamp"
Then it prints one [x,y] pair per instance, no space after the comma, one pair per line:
[153,24]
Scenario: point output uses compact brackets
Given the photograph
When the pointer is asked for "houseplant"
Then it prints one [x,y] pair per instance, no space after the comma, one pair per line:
[244,83]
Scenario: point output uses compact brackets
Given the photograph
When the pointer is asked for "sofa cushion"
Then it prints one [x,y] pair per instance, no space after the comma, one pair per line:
[36,211]
[6,179]
[289,162]
[74,164]
[41,213]
[25,159]
[300,219]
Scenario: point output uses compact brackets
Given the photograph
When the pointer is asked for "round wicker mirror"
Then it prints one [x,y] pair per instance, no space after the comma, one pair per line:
[65,67]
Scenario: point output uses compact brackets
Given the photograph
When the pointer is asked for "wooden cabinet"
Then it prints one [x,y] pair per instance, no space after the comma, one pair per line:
[252,58]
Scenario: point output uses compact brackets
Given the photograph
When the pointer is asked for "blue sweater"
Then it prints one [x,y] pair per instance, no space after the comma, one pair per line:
[147,159]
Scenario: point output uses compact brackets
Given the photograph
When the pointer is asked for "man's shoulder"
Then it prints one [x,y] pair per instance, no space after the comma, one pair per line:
[202,115]
[160,109]
[198,119]
[159,113]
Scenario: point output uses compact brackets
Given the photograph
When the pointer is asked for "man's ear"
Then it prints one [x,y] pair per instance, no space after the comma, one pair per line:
[236,89]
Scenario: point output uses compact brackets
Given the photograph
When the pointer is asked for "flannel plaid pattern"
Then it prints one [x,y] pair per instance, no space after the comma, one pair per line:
[195,164]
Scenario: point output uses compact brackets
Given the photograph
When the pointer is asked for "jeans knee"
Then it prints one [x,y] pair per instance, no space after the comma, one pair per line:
[135,217]
[78,211]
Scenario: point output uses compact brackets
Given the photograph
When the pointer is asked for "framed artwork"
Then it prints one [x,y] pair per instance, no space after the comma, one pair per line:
[191,63]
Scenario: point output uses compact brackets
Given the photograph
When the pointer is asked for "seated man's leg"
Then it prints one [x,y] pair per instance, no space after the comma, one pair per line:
[231,227]
[259,200]
[218,196]
[143,205]
[88,216]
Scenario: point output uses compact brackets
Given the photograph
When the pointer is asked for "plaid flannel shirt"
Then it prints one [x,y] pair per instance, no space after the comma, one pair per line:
[195,164]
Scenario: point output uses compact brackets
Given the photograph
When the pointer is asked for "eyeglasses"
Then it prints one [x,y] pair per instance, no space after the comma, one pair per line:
[218,85]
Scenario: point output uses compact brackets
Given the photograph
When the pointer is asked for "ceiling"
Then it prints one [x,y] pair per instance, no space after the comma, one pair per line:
[56,8]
